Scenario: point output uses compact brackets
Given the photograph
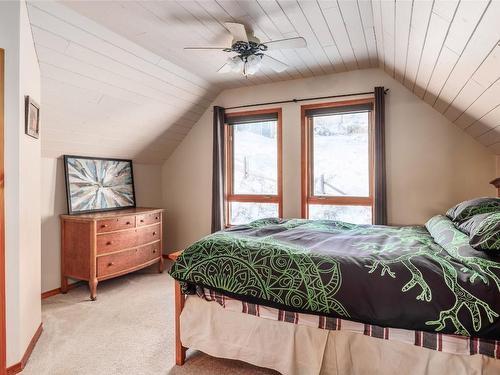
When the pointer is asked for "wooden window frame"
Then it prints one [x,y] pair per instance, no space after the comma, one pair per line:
[307,161]
[229,195]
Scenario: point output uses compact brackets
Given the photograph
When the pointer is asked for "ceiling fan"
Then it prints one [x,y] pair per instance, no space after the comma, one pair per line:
[250,52]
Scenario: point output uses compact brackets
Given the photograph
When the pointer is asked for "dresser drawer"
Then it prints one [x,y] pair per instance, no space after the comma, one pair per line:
[118,223]
[147,219]
[109,242]
[118,262]
[151,251]
[148,234]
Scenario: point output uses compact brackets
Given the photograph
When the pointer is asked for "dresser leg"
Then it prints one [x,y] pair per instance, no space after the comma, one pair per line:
[64,285]
[160,266]
[93,289]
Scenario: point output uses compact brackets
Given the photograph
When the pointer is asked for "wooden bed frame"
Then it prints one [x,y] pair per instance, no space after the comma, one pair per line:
[496,183]
[180,299]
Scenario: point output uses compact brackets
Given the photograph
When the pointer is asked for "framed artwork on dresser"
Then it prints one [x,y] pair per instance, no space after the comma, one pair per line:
[98,184]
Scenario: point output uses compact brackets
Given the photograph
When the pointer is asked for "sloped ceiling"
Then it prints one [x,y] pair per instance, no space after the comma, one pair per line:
[117,82]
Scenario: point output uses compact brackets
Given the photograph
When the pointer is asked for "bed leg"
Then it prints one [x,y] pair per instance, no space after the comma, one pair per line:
[180,351]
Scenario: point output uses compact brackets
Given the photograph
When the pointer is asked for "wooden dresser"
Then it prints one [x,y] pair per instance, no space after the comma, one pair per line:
[103,245]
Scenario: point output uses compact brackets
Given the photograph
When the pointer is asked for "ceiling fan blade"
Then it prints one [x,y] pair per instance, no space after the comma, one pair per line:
[298,42]
[237,30]
[226,68]
[204,48]
[274,64]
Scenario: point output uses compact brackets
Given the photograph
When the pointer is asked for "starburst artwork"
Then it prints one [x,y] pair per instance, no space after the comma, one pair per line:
[95,184]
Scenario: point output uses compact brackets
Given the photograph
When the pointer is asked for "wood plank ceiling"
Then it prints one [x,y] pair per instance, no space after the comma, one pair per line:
[116,80]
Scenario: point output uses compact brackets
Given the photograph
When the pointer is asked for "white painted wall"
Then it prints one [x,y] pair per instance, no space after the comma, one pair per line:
[9,40]
[29,201]
[431,164]
[22,180]
[147,179]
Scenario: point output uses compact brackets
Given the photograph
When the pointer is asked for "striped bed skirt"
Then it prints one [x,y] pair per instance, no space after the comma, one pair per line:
[453,344]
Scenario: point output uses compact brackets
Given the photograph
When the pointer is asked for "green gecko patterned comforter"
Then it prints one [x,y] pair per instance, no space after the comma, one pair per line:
[421,278]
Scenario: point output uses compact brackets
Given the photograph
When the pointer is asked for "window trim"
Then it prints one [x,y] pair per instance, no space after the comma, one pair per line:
[229,195]
[307,196]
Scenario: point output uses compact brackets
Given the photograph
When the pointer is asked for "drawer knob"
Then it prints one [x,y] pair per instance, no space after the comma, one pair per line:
[109,242]
[128,223]
[154,251]
[104,225]
[111,264]
[156,218]
[154,233]
[142,220]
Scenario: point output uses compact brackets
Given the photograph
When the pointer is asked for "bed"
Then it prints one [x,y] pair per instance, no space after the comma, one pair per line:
[302,296]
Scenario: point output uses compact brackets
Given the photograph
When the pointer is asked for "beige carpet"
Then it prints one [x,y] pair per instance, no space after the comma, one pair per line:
[128,330]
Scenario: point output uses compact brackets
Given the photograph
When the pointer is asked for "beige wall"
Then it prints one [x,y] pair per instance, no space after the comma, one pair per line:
[147,179]
[22,178]
[431,163]
[53,201]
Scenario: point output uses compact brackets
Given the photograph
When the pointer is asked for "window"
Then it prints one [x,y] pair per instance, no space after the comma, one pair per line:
[253,166]
[337,161]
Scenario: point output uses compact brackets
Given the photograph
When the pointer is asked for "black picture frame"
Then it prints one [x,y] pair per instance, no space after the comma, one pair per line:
[68,191]
[29,106]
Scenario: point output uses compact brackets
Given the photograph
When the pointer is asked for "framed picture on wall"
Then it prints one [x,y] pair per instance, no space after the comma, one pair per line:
[98,184]
[31,117]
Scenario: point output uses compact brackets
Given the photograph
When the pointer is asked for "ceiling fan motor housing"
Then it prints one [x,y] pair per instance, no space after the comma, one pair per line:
[245,49]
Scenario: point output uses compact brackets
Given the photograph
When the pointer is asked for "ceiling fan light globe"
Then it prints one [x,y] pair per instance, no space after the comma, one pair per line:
[253,64]
[235,64]
[250,70]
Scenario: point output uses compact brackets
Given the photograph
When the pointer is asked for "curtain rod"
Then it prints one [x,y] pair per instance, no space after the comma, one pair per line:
[305,99]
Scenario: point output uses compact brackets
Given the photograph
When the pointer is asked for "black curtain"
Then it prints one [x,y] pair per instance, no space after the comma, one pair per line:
[380,177]
[218,170]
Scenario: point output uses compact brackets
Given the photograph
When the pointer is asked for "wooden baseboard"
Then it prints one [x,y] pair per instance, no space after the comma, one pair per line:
[57,291]
[18,367]
[14,369]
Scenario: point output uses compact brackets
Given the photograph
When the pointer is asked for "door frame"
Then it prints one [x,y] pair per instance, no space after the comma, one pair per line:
[3,350]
